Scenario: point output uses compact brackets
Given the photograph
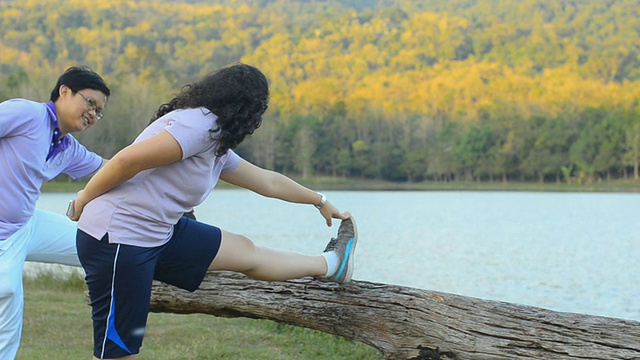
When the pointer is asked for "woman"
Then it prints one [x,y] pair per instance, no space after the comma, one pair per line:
[130,228]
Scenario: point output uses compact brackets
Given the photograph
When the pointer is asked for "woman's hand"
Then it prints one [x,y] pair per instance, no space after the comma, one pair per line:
[328,211]
[78,207]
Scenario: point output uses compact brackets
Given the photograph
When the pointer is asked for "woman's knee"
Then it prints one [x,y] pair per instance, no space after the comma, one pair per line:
[237,243]
[236,253]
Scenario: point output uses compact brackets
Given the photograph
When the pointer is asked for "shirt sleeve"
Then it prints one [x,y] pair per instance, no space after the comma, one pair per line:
[80,162]
[233,160]
[15,115]
[191,129]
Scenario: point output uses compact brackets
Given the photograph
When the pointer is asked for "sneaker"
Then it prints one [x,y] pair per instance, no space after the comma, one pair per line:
[344,245]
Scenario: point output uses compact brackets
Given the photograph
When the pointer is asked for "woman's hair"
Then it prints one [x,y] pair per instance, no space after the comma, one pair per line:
[237,94]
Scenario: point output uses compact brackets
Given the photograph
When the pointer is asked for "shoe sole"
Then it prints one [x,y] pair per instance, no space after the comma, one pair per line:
[349,274]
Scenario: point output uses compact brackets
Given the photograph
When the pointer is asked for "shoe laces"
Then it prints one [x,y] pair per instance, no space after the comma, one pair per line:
[331,245]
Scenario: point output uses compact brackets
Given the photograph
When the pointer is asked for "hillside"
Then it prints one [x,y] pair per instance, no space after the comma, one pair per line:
[540,90]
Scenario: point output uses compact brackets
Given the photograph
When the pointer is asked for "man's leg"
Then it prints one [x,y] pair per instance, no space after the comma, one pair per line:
[53,239]
[12,256]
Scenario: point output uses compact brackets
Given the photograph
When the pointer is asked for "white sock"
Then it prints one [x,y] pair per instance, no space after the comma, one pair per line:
[331,257]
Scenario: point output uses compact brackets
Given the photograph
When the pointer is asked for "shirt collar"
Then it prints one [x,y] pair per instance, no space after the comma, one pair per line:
[58,143]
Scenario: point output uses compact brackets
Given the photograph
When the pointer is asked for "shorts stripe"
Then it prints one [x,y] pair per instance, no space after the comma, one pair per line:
[112,332]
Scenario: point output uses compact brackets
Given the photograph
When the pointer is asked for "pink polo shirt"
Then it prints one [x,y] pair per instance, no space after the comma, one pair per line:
[143,210]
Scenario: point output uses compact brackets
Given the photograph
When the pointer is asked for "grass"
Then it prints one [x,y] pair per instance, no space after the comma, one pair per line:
[57,325]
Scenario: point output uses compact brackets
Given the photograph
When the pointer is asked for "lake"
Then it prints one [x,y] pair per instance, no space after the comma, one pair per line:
[573,252]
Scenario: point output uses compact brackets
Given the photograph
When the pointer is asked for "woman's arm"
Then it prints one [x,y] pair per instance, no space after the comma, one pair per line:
[161,149]
[275,185]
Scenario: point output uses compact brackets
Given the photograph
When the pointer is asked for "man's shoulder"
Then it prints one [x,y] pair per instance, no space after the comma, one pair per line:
[20,116]
[23,107]
[23,103]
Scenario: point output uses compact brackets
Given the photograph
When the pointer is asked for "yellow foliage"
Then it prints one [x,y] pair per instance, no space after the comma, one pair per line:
[9,55]
[431,64]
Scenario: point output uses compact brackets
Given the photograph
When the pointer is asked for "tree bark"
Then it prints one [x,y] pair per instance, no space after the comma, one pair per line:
[408,323]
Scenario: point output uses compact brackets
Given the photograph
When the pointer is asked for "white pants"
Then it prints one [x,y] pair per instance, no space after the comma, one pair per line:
[47,237]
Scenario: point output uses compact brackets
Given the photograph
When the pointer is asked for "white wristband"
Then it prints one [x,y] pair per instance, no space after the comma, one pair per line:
[323,200]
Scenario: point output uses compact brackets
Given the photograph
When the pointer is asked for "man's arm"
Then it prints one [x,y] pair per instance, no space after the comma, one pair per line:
[104,162]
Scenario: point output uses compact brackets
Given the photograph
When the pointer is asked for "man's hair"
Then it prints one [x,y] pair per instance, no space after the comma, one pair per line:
[77,78]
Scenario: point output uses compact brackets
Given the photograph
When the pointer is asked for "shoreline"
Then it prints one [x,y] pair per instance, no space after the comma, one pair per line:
[351,184]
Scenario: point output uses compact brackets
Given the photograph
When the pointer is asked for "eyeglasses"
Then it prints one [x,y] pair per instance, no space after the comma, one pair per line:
[92,106]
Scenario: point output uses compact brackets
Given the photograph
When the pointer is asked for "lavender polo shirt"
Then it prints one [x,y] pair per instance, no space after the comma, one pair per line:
[32,152]
[143,210]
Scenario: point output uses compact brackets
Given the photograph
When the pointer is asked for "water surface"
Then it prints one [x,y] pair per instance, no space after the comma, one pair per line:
[575,252]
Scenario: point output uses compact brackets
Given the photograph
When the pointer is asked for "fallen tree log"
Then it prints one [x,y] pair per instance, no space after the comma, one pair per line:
[408,323]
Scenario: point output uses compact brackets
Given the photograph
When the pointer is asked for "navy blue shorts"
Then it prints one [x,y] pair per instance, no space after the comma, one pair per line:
[119,278]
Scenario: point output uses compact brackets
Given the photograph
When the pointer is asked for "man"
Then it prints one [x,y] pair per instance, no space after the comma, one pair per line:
[36,146]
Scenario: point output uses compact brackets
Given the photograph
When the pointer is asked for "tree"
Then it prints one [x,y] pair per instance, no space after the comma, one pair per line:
[631,156]
[407,323]
[473,150]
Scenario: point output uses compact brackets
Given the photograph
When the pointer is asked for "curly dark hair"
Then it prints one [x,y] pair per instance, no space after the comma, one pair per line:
[237,94]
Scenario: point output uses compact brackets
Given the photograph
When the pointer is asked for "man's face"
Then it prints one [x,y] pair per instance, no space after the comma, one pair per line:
[79,110]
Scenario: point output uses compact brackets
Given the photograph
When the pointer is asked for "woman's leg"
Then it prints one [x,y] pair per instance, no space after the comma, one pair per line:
[239,253]
[196,248]
[119,280]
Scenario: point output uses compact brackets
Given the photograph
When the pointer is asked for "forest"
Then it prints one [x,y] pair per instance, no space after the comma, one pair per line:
[395,90]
